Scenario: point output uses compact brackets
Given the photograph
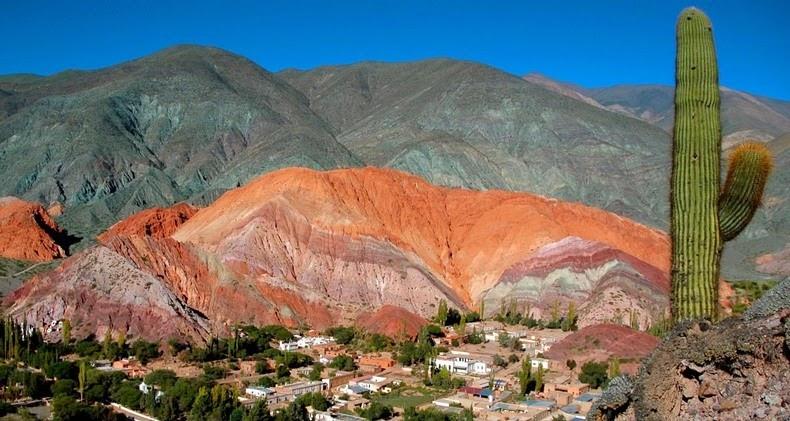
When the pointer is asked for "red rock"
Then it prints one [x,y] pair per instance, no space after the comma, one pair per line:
[465,238]
[27,232]
[155,222]
[298,246]
[392,321]
[602,342]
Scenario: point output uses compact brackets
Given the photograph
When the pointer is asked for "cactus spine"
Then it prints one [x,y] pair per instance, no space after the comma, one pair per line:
[697,210]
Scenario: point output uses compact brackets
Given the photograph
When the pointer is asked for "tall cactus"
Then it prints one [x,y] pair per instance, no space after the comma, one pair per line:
[701,219]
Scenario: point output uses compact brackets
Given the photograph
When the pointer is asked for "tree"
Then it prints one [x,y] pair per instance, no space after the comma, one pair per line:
[343,362]
[66,331]
[343,335]
[314,400]
[441,313]
[64,387]
[315,373]
[571,364]
[593,373]
[145,351]
[296,411]
[161,378]
[539,379]
[202,407]
[282,372]
[259,412]
[499,361]
[377,411]
[569,322]
[525,376]
[262,367]
[128,395]
[83,378]
[614,367]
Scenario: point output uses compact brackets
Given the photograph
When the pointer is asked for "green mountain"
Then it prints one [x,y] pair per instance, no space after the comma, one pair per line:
[465,124]
[184,123]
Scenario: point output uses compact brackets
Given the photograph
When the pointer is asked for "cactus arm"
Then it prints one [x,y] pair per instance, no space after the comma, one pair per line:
[696,243]
[749,168]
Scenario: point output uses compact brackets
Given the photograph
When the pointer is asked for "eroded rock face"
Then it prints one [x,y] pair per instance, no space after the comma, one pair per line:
[323,248]
[460,241]
[27,232]
[611,285]
[99,289]
[392,321]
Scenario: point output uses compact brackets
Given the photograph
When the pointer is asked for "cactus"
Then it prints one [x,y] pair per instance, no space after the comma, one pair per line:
[701,219]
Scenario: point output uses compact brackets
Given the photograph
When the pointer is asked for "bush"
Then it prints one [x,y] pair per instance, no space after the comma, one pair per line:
[145,351]
[377,411]
[342,334]
[263,367]
[594,374]
[343,362]
[64,387]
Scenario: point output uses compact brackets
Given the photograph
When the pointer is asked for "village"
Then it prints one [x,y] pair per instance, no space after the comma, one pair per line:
[493,371]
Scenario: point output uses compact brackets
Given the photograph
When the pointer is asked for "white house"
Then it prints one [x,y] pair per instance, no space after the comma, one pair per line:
[305,342]
[540,362]
[462,362]
[259,391]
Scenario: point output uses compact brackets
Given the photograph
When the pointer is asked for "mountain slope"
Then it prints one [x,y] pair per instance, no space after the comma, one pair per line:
[465,124]
[743,115]
[300,246]
[185,123]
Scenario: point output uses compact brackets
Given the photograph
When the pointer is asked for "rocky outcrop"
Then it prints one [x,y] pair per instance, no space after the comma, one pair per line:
[734,370]
[603,342]
[157,223]
[392,321]
[27,232]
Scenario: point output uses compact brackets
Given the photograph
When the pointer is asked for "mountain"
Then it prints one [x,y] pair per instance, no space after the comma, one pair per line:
[464,124]
[186,123]
[301,246]
[743,114]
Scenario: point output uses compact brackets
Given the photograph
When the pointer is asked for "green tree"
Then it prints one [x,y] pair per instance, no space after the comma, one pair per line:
[315,373]
[64,387]
[539,379]
[259,412]
[441,313]
[525,376]
[594,374]
[614,367]
[83,378]
[202,406]
[66,332]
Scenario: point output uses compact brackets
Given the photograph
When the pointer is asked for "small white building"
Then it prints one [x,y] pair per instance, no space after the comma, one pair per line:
[462,363]
[305,342]
[259,391]
[540,362]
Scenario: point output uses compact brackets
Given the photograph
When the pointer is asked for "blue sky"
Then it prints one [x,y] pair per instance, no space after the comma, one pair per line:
[592,42]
